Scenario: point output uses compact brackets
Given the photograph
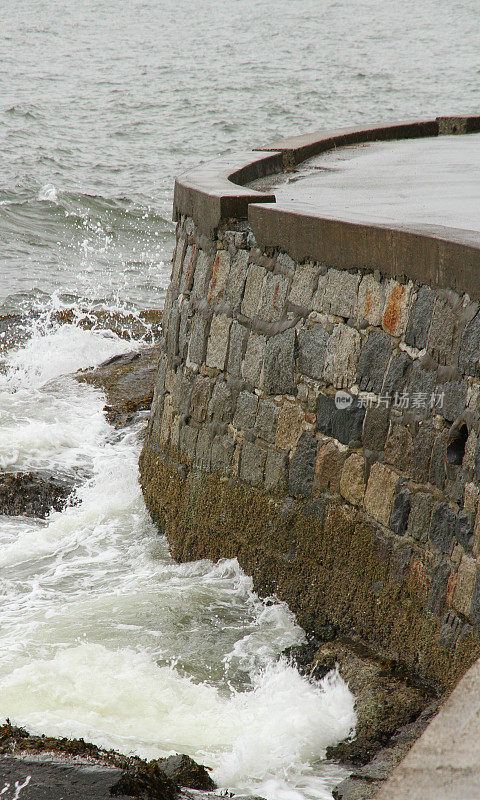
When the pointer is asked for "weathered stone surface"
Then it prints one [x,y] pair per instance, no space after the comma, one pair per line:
[328,467]
[172,335]
[276,471]
[186,280]
[266,422]
[420,515]
[222,403]
[182,389]
[285,265]
[252,463]
[302,466]
[166,421]
[399,447]
[253,360]
[237,277]
[437,593]
[220,273]
[373,362]
[198,339]
[217,346]
[200,398]
[305,279]
[422,452]
[290,425]
[475,603]
[469,360]
[203,450]
[380,493]
[421,387]
[340,293]
[188,442]
[420,317]
[400,562]
[442,340]
[400,512]
[272,301]
[178,261]
[375,427]
[437,474]
[466,577]
[370,301]
[246,411]
[201,278]
[451,399]
[395,312]
[184,329]
[236,349]
[397,374]
[222,453]
[341,358]
[344,424]
[442,528]
[464,531]
[253,290]
[280,364]
[312,347]
[352,480]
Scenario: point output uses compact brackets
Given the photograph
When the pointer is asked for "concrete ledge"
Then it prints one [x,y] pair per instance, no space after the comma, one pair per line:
[298,148]
[439,256]
[213,191]
[443,764]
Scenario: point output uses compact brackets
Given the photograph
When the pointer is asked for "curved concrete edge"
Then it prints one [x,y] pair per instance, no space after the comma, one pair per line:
[298,148]
[444,763]
[443,257]
[214,191]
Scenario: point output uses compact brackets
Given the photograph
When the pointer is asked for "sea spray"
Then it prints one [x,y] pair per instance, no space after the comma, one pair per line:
[103,636]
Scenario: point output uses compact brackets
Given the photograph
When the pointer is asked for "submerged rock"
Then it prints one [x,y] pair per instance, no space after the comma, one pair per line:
[127,381]
[33,494]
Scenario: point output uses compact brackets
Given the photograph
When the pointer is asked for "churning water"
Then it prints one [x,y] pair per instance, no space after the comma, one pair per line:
[101,634]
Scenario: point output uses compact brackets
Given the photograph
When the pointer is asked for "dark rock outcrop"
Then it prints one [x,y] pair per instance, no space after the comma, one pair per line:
[33,494]
[127,381]
[186,772]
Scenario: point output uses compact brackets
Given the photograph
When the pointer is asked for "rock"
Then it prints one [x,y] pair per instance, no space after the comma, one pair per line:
[33,494]
[145,781]
[127,381]
[365,782]
[302,466]
[186,772]
[383,700]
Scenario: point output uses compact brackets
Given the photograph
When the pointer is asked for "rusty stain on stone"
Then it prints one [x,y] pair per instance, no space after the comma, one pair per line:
[393,308]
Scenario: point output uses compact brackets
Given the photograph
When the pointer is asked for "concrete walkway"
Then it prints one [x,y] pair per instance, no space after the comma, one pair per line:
[444,764]
[432,180]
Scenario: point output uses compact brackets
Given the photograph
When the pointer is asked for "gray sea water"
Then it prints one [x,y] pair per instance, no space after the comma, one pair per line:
[102,635]
[104,102]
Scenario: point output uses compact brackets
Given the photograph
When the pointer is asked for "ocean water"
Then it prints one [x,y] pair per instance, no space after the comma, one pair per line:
[102,635]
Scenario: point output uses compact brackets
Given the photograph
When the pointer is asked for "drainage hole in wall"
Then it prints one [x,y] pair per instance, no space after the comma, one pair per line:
[456,444]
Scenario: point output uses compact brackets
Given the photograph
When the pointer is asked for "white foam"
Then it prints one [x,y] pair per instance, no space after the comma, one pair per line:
[95,613]
[48,192]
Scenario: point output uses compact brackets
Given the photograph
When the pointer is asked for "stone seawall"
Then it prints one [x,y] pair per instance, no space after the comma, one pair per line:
[352,515]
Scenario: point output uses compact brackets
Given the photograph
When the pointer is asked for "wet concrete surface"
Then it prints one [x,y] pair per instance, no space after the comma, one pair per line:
[427,181]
